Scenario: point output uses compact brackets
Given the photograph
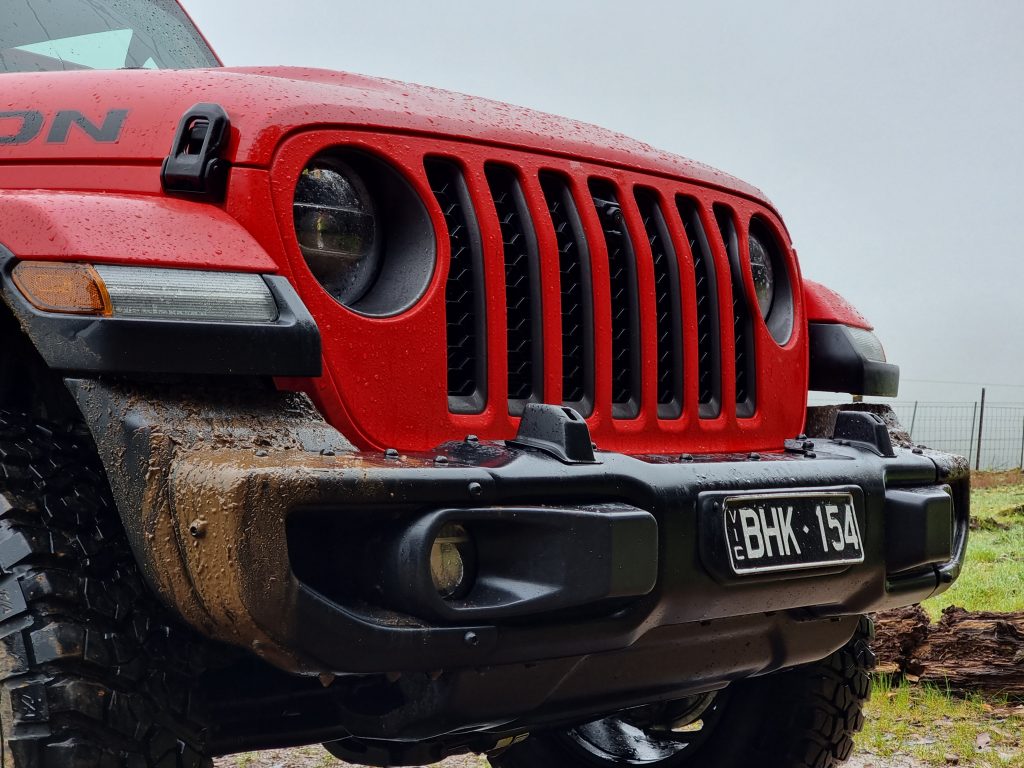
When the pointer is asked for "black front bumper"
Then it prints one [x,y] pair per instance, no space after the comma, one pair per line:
[263,528]
[691,585]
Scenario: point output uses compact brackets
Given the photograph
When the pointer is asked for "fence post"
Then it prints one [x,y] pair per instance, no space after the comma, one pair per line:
[981,423]
[970,441]
[913,421]
[1022,445]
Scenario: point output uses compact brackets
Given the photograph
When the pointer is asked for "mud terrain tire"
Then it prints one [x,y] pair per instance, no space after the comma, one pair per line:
[805,717]
[92,671]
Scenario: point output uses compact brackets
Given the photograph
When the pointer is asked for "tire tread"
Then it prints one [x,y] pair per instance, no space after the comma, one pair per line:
[93,671]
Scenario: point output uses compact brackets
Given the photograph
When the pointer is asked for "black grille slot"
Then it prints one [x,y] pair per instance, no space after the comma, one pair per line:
[464,291]
[522,288]
[667,304]
[709,367]
[575,292]
[743,330]
[624,301]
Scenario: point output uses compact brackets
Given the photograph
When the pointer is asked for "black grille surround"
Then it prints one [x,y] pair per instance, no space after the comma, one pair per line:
[575,297]
[523,322]
[742,322]
[465,308]
[622,283]
[709,368]
[667,306]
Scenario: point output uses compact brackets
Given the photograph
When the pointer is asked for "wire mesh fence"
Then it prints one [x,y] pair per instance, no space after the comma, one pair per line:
[991,435]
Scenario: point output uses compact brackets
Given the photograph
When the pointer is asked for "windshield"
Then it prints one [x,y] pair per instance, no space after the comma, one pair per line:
[58,35]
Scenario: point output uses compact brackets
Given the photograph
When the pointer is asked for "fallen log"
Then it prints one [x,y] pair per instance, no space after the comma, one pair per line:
[973,651]
[898,634]
[965,651]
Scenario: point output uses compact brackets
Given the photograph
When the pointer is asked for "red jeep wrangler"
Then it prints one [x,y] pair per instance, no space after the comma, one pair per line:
[347,411]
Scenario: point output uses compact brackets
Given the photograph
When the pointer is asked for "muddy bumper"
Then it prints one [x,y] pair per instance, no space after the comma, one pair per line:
[263,527]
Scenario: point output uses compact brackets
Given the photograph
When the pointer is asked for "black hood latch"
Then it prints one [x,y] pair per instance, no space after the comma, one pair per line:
[195,165]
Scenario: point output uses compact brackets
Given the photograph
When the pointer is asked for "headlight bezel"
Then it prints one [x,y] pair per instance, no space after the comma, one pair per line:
[319,259]
[779,314]
[405,249]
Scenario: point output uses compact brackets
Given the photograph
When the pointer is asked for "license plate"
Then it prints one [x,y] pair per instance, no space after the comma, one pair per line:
[767,534]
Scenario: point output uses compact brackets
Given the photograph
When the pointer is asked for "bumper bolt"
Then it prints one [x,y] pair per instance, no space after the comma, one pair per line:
[441,460]
[918,451]
[808,446]
[472,439]
[801,437]
[686,457]
[754,457]
[327,452]
[391,453]
[475,489]
[472,639]
[197,528]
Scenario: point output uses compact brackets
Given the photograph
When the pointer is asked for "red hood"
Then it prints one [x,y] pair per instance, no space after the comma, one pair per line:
[266,104]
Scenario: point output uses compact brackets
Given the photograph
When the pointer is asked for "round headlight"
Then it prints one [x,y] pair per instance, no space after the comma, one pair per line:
[763,272]
[452,561]
[336,228]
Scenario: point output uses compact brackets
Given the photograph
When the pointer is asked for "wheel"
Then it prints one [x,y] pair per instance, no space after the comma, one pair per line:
[805,717]
[93,672]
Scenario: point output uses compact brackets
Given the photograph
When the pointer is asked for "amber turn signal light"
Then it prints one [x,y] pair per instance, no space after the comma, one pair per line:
[75,289]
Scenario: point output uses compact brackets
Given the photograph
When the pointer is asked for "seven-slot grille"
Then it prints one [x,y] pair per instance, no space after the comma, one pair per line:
[588,221]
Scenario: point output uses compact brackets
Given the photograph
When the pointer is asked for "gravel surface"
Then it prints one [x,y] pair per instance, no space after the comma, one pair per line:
[317,757]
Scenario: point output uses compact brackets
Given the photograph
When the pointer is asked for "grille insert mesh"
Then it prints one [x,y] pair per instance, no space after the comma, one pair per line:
[667,307]
[574,294]
[706,304]
[625,329]
[464,290]
[743,331]
[522,283]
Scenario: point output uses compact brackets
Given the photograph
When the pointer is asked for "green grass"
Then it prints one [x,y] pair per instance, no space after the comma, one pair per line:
[929,725]
[993,579]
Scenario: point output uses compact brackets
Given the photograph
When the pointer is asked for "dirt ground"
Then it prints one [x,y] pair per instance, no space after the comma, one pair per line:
[996,479]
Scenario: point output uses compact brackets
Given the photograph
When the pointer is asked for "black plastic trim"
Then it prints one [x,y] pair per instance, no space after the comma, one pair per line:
[195,165]
[709,343]
[523,321]
[289,346]
[920,527]
[576,294]
[529,560]
[742,317]
[627,366]
[837,366]
[667,305]
[465,291]
[350,495]
[867,430]
[556,430]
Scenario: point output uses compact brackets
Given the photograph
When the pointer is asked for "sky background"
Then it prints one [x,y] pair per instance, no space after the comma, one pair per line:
[889,135]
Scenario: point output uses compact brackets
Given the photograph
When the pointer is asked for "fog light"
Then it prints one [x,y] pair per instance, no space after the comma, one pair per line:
[452,561]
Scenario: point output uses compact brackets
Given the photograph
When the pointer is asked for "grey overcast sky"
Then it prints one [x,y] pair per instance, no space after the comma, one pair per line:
[888,134]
